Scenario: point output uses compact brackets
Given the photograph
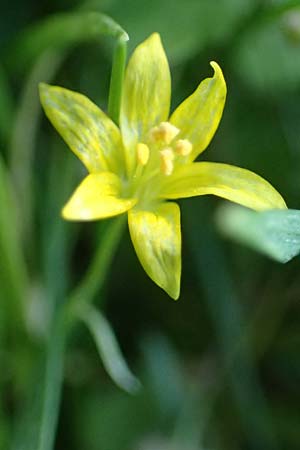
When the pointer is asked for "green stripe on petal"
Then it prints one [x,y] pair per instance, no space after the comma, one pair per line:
[87,130]
[97,197]
[156,237]
[230,182]
[146,94]
[199,115]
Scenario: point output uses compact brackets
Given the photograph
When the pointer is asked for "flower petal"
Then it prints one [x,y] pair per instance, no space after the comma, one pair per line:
[97,197]
[199,115]
[90,134]
[146,94]
[156,237]
[230,182]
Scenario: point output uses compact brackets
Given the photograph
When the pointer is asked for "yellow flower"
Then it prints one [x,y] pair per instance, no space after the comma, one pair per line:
[150,158]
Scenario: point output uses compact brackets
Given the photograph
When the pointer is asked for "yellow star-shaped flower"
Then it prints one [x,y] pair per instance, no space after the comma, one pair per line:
[150,158]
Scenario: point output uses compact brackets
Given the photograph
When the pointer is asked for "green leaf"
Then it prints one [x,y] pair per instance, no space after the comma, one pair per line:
[13,276]
[23,132]
[275,233]
[45,43]
[109,350]
[60,31]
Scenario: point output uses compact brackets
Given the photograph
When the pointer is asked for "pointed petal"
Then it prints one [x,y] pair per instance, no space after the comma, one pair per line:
[230,182]
[97,197]
[87,130]
[156,237]
[199,115]
[146,94]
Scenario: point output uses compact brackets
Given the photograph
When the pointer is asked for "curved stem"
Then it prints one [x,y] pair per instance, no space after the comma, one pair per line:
[65,317]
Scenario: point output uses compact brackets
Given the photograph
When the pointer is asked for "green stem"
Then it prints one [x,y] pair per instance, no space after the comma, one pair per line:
[97,272]
[85,292]
[53,383]
[116,80]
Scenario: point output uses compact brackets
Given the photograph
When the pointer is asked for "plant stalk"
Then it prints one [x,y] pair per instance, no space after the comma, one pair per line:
[116,80]
[65,317]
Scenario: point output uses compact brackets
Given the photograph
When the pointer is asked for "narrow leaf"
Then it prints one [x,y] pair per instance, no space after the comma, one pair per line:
[13,276]
[109,350]
[60,31]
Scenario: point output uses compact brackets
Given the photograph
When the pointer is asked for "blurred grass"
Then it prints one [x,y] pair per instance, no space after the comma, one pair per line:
[198,391]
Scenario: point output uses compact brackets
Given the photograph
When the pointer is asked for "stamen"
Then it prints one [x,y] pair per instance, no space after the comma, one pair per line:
[164,132]
[143,153]
[167,161]
[183,147]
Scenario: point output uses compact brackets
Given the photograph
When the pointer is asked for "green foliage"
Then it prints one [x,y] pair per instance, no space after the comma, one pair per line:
[275,233]
[108,349]
[266,55]
[61,31]
[219,369]
[12,268]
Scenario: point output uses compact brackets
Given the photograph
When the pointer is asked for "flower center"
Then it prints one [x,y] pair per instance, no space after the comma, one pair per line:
[163,149]
[157,157]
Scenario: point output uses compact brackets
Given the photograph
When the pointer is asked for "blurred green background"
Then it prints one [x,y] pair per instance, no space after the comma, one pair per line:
[220,368]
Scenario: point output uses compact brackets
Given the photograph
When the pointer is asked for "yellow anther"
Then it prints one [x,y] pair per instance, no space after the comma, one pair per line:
[167,161]
[164,132]
[183,147]
[143,153]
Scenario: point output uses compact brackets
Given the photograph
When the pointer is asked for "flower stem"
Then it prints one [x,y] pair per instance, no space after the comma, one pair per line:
[116,80]
[96,274]
[65,317]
